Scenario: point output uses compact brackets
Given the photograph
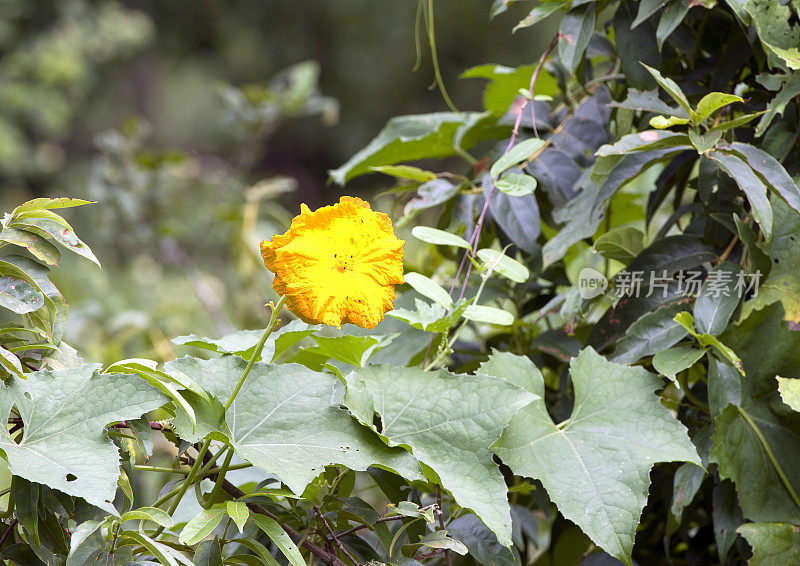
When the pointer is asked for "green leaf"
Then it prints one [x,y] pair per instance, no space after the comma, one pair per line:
[40,248]
[718,298]
[634,47]
[481,542]
[790,392]
[60,232]
[767,348]
[277,535]
[648,101]
[788,88]
[726,516]
[439,539]
[771,171]
[163,553]
[662,122]
[647,140]
[736,122]
[438,237]
[504,265]
[153,514]
[574,33]
[49,204]
[596,465]
[430,317]
[688,479]
[646,9]
[672,89]
[243,342]
[426,287]
[260,550]
[148,370]
[26,509]
[751,185]
[200,526]
[450,442]
[674,12]
[408,138]
[353,350]
[772,21]
[79,548]
[622,244]
[19,296]
[490,315]
[516,184]
[674,360]
[505,82]
[704,142]
[520,152]
[285,421]
[209,553]
[37,275]
[538,14]
[713,101]
[65,445]
[783,282]
[406,172]
[167,387]
[773,543]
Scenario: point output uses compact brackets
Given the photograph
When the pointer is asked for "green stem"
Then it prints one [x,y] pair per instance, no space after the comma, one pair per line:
[435,59]
[257,352]
[245,465]
[186,483]
[772,458]
[683,382]
[159,469]
[456,334]
[207,502]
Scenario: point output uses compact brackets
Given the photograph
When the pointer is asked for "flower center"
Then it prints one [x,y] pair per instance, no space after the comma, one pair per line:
[343,261]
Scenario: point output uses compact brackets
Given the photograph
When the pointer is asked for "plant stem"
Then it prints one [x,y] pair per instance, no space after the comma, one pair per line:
[257,352]
[186,483]
[771,456]
[207,502]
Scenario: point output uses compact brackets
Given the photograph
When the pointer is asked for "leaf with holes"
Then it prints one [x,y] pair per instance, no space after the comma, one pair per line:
[65,445]
[595,466]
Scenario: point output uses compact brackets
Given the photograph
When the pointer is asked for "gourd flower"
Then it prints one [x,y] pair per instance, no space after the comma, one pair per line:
[337,264]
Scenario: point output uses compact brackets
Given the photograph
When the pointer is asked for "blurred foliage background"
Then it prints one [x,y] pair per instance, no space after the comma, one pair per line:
[199,126]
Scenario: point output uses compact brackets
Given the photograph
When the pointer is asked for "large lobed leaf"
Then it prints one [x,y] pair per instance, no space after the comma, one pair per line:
[448,421]
[64,444]
[284,421]
[596,466]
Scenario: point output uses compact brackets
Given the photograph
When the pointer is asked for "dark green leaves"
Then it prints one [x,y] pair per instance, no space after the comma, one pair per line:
[773,543]
[595,465]
[575,32]
[744,439]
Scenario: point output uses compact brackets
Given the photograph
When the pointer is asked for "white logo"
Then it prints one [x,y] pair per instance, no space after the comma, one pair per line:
[591,283]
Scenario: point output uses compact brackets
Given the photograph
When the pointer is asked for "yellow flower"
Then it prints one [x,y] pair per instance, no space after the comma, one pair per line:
[337,264]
